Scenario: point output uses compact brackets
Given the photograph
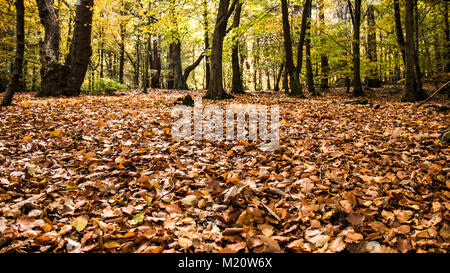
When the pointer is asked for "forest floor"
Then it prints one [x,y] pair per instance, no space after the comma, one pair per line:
[103,174]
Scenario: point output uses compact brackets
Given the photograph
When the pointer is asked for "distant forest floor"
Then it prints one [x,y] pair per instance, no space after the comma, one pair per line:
[103,174]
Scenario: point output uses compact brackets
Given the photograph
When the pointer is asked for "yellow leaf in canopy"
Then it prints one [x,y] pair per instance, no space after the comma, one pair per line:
[26,138]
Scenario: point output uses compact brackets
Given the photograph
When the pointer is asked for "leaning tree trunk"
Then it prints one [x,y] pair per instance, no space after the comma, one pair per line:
[216,90]
[18,61]
[237,87]
[188,71]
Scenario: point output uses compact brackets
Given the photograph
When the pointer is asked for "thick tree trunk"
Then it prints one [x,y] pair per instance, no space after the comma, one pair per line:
[58,79]
[410,91]
[177,70]
[237,87]
[216,90]
[80,50]
[373,80]
[49,50]
[16,74]
[296,88]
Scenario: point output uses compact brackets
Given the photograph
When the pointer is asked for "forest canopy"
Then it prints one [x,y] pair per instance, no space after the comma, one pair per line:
[167,44]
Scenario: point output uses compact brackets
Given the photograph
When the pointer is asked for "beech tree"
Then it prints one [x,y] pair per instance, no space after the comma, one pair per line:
[237,85]
[355,12]
[216,90]
[64,79]
[291,71]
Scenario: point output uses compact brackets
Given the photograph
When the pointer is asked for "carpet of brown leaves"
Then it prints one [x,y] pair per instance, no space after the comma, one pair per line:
[102,174]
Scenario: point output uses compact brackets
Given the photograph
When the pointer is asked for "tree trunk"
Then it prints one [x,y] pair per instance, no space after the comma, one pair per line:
[216,90]
[16,74]
[122,53]
[206,26]
[80,52]
[373,80]
[410,91]
[416,53]
[447,38]
[309,68]
[156,63]
[399,30]
[356,18]
[177,70]
[50,68]
[237,87]
[296,88]
[324,65]
[147,60]
[189,69]
[277,81]
[58,79]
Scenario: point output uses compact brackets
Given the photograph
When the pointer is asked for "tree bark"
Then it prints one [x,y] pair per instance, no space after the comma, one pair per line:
[216,90]
[16,74]
[237,87]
